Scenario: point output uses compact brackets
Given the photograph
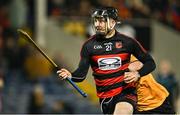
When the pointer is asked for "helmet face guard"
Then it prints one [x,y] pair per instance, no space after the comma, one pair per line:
[105,14]
[100,30]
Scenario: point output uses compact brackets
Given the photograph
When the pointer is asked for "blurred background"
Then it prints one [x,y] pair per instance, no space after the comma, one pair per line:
[29,84]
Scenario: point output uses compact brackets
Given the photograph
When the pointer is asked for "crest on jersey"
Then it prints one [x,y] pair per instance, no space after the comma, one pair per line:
[118,44]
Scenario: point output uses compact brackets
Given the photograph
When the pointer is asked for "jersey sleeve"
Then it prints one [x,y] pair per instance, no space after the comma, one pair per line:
[80,73]
[142,55]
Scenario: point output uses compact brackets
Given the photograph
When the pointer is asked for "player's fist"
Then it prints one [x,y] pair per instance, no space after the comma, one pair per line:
[64,73]
[131,76]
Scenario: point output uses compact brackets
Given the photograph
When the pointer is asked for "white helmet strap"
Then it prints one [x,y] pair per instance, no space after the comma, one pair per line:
[108,24]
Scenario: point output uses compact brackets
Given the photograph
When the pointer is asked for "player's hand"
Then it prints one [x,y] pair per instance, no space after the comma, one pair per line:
[134,66]
[64,73]
[131,76]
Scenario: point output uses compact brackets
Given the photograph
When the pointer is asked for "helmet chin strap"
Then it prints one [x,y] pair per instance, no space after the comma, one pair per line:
[108,24]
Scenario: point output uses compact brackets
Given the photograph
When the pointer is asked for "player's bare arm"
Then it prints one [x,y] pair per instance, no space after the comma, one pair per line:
[133,75]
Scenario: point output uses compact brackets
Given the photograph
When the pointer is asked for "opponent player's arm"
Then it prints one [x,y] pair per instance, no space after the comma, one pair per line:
[133,75]
[148,63]
[143,56]
[135,65]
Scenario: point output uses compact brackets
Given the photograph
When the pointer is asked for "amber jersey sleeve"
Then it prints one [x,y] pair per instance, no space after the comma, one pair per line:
[142,55]
[150,93]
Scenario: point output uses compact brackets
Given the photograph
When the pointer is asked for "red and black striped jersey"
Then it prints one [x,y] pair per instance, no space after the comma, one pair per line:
[109,59]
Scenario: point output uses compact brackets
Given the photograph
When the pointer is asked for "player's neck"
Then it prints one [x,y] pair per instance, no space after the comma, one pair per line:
[110,34]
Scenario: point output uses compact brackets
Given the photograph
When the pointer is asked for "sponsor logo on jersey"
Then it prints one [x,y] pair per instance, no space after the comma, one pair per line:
[109,63]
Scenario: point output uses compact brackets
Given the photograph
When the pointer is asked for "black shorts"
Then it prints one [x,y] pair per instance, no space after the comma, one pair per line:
[165,108]
[108,104]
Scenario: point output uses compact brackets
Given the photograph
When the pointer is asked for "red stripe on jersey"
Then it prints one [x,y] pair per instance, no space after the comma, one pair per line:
[110,93]
[132,97]
[99,71]
[109,81]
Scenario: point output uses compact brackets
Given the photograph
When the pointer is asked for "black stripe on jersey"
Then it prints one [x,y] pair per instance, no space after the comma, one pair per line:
[109,87]
[130,90]
[125,61]
[115,51]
